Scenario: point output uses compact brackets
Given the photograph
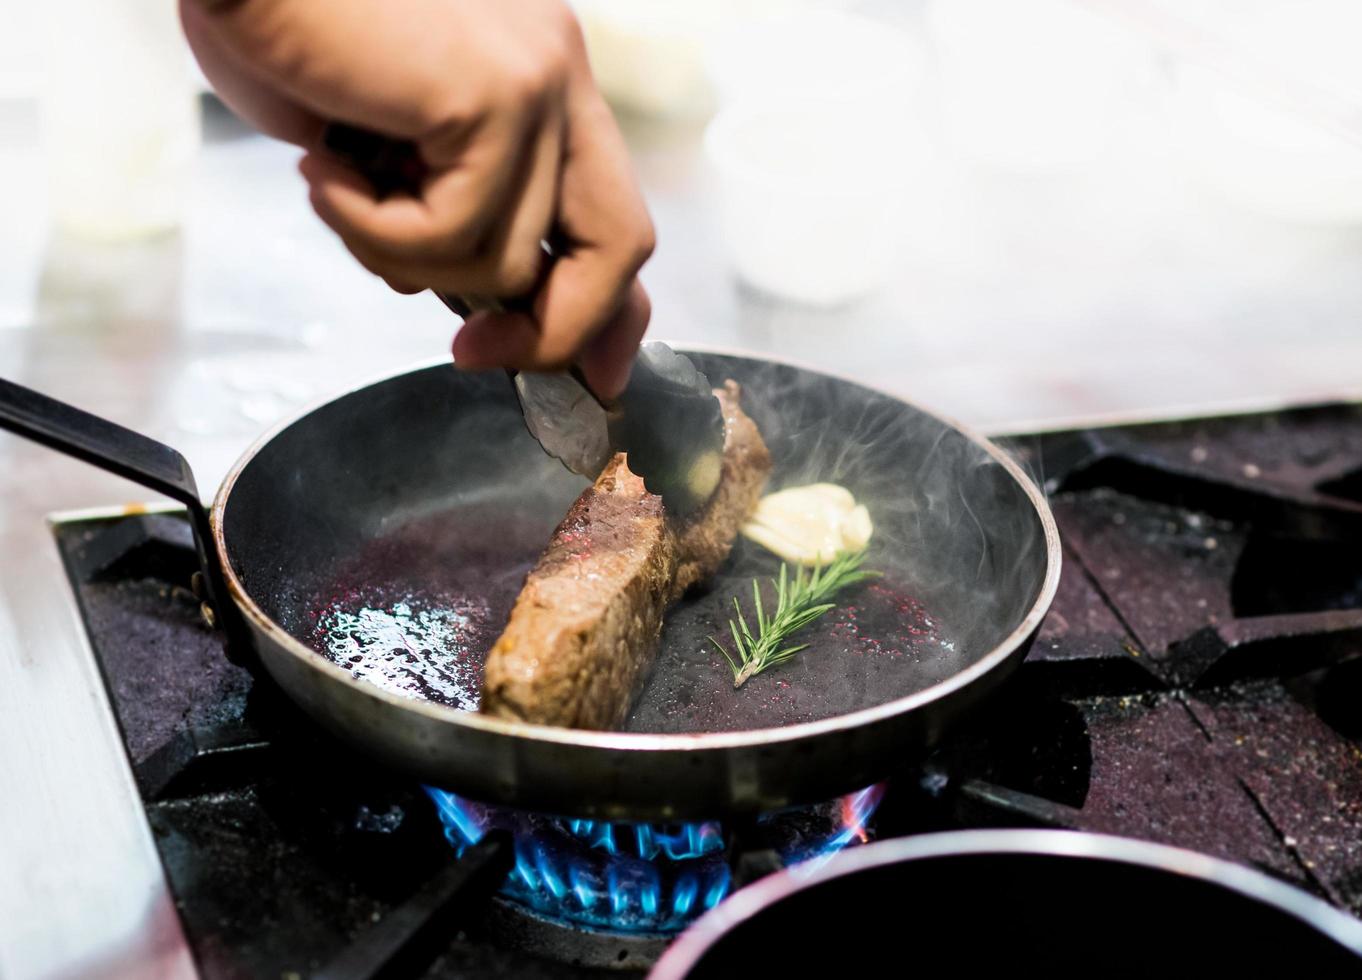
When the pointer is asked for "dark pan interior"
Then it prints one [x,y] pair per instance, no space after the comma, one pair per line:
[424,494]
[1023,914]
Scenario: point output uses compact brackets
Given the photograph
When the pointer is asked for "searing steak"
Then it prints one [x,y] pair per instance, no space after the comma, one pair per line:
[585,628]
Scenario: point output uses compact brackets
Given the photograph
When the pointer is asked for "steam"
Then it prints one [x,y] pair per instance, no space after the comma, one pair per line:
[950,520]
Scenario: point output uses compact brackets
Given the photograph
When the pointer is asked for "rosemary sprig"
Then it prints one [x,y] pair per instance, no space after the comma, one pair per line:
[798,603]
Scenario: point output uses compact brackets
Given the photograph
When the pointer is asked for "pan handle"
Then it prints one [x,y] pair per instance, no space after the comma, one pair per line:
[135,457]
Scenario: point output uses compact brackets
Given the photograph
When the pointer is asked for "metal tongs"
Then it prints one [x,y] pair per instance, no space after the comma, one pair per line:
[667,419]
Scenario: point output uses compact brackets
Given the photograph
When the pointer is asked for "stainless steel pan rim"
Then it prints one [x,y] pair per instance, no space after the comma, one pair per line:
[635,742]
[688,950]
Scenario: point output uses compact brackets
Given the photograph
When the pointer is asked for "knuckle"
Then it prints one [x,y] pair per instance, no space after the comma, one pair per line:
[645,243]
[404,286]
[445,114]
[541,69]
[564,27]
[556,349]
[456,239]
[518,271]
[528,81]
[635,249]
[365,258]
[448,236]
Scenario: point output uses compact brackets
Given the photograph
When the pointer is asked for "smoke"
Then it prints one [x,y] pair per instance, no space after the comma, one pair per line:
[950,519]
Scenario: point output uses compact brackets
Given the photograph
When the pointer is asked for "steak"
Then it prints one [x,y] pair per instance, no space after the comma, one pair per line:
[585,628]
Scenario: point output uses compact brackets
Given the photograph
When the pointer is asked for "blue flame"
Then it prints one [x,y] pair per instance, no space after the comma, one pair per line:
[856,810]
[625,877]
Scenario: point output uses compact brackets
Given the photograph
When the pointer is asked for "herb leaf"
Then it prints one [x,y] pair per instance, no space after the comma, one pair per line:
[798,603]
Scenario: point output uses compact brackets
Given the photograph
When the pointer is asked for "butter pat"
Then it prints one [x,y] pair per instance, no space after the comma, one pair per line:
[809,525]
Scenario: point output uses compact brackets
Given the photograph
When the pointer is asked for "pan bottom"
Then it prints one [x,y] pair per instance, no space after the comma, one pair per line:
[879,643]
[416,611]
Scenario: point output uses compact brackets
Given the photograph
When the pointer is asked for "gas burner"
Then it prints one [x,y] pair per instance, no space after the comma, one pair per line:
[1195,684]
[641,878]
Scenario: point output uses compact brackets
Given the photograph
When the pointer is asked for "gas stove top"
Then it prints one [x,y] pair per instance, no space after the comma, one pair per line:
[1195,683]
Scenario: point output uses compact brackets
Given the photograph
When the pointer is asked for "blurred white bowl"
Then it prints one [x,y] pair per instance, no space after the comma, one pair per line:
[811,197]
[648,55]
[120,115]
[1263,154]
[1031,86]
[808,149]
[805,51]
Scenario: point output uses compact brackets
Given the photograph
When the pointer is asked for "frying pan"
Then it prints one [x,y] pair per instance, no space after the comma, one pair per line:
[428,482]
[1053,903]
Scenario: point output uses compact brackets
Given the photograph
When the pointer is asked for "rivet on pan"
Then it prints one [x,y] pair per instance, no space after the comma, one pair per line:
[196,586]
[209,617]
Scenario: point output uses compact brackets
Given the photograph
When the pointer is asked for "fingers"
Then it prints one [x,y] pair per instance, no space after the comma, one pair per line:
[516,140]
[512,261]
[514,340]
[602,217]
[451,238]
[457,208]
[469,88]
[403,286]
[609,356]
[489,340]
[591,307]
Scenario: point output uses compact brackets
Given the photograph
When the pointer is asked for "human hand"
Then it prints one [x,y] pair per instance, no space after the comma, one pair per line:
[518,144]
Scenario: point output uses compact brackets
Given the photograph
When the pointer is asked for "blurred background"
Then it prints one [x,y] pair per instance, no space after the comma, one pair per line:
[1021,213]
